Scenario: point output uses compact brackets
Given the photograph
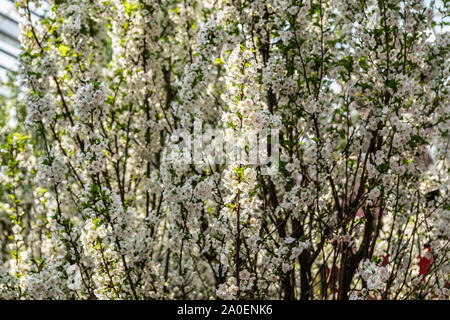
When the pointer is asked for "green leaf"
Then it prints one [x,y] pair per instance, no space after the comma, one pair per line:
[63,50]
[130,7]
[219,61]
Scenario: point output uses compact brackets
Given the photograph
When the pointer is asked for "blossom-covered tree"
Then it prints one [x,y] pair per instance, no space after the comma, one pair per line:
[100,201]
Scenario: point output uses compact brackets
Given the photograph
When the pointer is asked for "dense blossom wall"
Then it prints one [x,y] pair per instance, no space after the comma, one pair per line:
[98,201]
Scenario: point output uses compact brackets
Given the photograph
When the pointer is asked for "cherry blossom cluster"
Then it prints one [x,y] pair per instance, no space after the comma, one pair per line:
[263,149]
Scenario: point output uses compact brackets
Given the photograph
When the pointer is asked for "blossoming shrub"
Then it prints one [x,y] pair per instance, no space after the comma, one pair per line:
[99,201]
